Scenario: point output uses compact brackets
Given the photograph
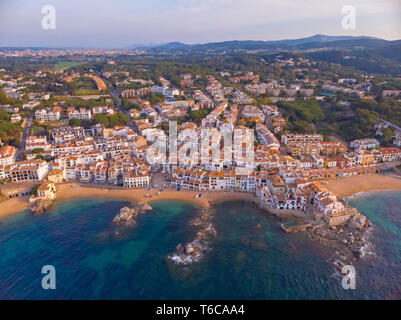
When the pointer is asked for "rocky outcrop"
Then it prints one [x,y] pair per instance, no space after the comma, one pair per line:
[358,222]
[41,206]
[192,251]
[348,239]
[127,216]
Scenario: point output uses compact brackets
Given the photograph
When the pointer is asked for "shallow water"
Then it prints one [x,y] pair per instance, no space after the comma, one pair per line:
[251,258]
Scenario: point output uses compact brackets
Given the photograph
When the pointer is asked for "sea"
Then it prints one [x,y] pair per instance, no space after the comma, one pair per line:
[250,258]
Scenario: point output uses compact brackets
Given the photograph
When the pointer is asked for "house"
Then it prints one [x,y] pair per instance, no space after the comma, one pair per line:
[34,142]
[389,154]
[290,200]
[56,176]
[138,177]
[364,157]
[80,114]
[333,210]
[301,138]
[47,191]
[34,170]
[15,118]
[264,195]
[7,155]
[48,114]
[364,144]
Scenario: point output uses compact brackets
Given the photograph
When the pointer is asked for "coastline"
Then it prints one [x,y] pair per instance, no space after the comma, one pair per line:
[72,191]
[362,184]
[354,186]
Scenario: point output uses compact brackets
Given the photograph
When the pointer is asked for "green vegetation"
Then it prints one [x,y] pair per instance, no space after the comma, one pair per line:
[40,129]
[9,132]
[154,98]
[387,137]
[118,119]
[75,122]
[128,105]
[198,115]
[302,115]
[37,150]
[34,191]
[78,102]
[83,86]
[64,65]
[4,116]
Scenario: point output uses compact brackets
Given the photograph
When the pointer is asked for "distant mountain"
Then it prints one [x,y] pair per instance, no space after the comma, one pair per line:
[142,46]
[321,38]
[317,41]
[385,59]
[391,51]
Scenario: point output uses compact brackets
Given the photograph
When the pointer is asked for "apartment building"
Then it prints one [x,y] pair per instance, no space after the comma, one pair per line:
[364,144]
[137,177]
[48,114]
[266,137]
[290,200]
[64,134]
[35,142]
[389,154]
[289,138]
[7,155]
[34,170]
[253,112]
[80,114]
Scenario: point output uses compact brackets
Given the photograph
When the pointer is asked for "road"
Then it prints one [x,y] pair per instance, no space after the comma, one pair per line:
[120,107]
[25,135]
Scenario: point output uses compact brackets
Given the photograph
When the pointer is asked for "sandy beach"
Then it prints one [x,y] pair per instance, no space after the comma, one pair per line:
[345,187]
[73,191]
[342,187]
[13,205]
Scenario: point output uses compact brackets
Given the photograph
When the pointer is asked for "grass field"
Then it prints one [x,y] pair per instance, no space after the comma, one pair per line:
[85,92]
[62,65]
[37,130]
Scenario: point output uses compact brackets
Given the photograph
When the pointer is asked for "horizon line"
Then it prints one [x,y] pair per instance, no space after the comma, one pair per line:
[152,45]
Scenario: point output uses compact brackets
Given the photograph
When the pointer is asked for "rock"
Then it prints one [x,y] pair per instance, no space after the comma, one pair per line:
[144,207]
[192,251]
[126,216]
[357,253]
[180,248]
[41,206]
[189,249]
[358,222]
[211,230]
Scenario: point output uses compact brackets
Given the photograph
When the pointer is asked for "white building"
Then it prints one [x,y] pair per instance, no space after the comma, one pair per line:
[48,115]
[7,155]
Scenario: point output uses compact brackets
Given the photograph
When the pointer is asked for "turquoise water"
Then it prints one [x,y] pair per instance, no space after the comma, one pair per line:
[251,258]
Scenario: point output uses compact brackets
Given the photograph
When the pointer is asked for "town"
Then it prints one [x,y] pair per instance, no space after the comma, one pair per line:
[75,124]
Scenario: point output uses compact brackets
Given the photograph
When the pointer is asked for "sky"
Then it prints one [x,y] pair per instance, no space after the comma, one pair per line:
[123,23]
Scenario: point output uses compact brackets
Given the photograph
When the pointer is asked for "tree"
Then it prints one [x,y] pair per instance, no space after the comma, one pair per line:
[388,135]
[75,123]
[118,119]
[4,115]
[37,150]
[103,119]
[197,115]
